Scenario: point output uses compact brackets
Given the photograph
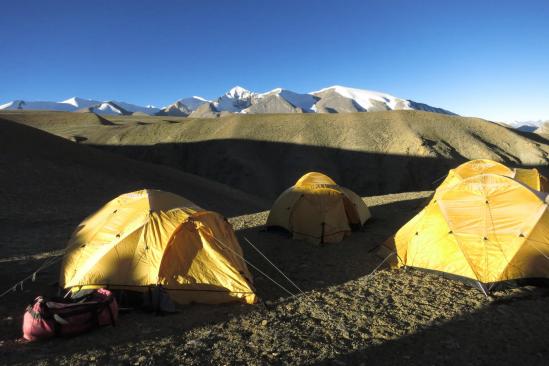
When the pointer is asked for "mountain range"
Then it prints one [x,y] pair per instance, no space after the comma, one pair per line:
[539,126]
[334,99]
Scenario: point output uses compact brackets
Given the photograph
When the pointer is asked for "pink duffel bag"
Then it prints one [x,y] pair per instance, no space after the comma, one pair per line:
[46,318]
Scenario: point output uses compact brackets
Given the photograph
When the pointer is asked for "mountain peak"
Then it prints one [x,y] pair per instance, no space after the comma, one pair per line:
[79,102]
[238,92]
[190,103]
[367,99]
[333,99]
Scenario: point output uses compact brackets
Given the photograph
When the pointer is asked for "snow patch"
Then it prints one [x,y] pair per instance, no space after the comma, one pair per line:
[303,101]
[365,98]
[79,103]
[235,100]
[192,103]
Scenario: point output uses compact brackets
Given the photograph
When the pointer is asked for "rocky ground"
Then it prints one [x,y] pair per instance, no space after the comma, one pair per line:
[345,315]
[341,313]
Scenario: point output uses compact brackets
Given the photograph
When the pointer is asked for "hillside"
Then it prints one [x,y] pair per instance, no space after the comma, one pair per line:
[48,181]
[372,153]
[344,316]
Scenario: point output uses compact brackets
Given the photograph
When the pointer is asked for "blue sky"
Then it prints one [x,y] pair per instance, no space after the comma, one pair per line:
[477,58]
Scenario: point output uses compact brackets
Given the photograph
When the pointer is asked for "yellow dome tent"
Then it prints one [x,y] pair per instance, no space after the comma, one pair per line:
[488,228]
[150,238]
[530,177]
[316,209]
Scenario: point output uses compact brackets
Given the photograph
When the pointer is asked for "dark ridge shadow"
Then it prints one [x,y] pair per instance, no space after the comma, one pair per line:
[531,135]
[510,333]
[314,267]
[104,121]
[79,139]
[266,169]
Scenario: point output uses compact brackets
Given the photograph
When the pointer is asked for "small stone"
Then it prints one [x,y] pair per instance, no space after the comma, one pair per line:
[264,323]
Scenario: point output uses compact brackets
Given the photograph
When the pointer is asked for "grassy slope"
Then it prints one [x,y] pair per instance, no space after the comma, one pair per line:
[395,132]
[372,153]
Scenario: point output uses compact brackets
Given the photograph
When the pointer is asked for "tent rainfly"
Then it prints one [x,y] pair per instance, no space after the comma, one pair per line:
[531,177]
[153,238]
[489,229]
[318,210]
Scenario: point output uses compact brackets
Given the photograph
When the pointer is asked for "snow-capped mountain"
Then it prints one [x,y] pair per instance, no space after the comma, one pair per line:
[304,101]
[342,99]
[193,102]
[367,100]
[136,108]
[37,105]
[526,126]
[235,100]
[334,99]
[106,108]
[183,107]
[78,104]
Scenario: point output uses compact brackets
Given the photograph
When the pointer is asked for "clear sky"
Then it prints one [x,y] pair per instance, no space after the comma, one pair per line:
[476,58]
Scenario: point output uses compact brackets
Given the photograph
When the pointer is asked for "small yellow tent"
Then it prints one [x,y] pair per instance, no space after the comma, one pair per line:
[317,210]
[488,228]
[149,238]
[530,177]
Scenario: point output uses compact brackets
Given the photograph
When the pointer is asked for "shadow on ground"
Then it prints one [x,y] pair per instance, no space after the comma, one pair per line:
[313,266]
[507,332]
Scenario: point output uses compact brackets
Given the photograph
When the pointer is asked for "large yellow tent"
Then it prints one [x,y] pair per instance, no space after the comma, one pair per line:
[155,238]
[530,177]
[488,228]
[317,210]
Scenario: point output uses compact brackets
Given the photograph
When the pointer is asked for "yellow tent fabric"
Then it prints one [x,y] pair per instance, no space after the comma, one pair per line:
[317,210]
[470,169]
[150,237]
[488,228]
[530,177]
